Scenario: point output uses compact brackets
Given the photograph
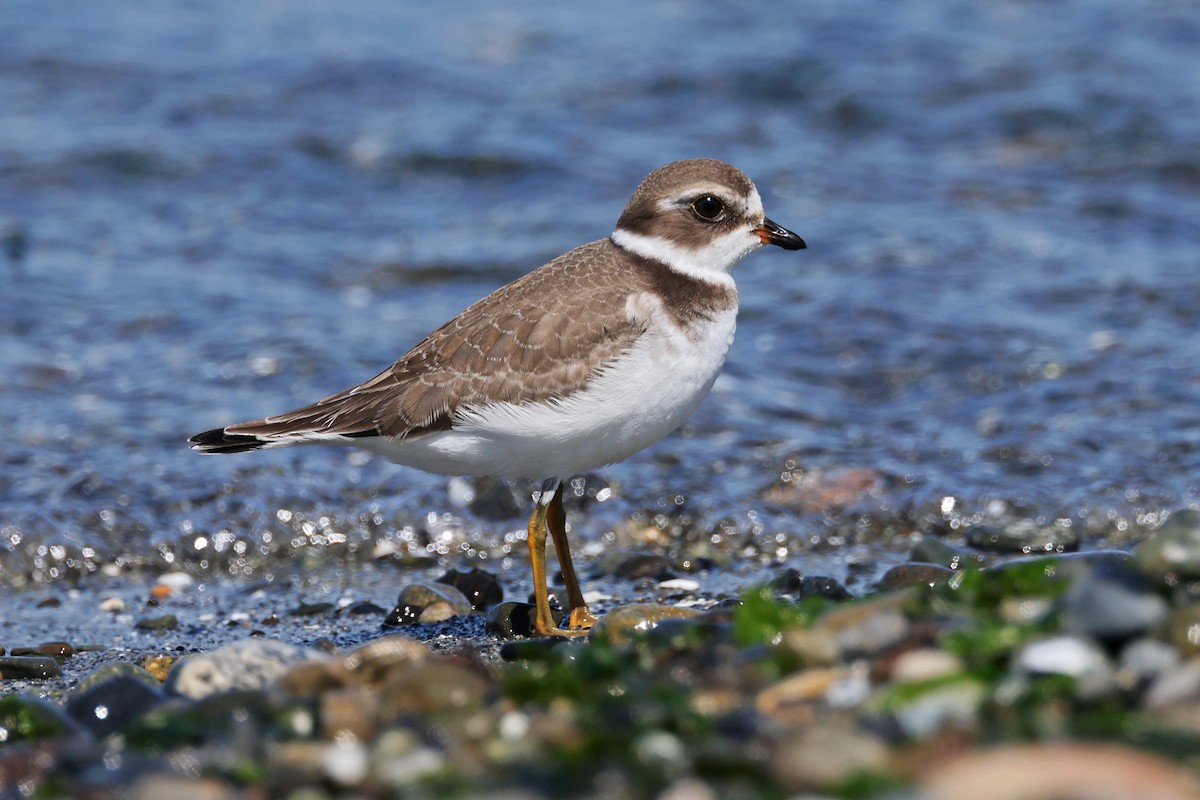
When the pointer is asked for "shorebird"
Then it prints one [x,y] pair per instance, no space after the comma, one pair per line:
[581,363]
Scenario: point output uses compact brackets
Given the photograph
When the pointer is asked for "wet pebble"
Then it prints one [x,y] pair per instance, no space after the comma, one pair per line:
[427,602]
[1024,537]
[934,551]
[245,664]
[623,622]
[482,589]
[164,622]
[904,575]
[53,649]
[28,668]
[1174,549]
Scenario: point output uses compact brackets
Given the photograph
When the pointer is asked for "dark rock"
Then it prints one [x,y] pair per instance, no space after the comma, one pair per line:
[494,499]
[822,586]
[512,619]
[481,588]
[403,615]
[364,608]
[110,706]
[640,565]
[311,609]
[541,649]
[905,575]
[787,581]
[28,667]
[698,564]
[1024,537]
[50,602]
[164,623]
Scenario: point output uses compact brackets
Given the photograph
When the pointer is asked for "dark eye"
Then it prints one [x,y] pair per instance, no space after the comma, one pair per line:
[707,207]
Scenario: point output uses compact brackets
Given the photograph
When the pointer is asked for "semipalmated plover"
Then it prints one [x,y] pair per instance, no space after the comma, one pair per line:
[579,364]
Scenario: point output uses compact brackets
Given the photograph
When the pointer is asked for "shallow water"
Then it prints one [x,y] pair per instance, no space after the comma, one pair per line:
[216,212]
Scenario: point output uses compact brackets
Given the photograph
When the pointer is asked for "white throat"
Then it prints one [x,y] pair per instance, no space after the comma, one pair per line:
[711,263]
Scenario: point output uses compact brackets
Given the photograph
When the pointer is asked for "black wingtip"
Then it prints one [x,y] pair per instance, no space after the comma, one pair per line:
[218,441]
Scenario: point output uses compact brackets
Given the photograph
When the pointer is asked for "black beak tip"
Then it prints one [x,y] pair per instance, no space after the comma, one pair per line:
[780,236]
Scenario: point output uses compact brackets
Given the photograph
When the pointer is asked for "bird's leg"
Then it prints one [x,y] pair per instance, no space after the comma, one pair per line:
[556,521]
[543,624]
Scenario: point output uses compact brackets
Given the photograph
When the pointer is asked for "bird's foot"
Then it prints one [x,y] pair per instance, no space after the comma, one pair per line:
[581,619]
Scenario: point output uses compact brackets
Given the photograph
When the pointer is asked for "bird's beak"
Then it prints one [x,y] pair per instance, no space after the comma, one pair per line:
[770,233]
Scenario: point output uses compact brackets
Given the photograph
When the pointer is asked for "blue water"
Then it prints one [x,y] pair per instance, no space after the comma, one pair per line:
[217,211]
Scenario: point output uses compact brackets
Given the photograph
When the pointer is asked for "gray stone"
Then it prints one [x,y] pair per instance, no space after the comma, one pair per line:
[1174,549]
[1071,656]
[1176,686]
[247,664]
[1144,660]
[1111,602]
[944,705]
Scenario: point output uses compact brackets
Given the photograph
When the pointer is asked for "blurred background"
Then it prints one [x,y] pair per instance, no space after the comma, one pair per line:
[214,211]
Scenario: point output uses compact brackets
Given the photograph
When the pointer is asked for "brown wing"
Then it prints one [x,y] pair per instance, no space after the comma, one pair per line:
[542,336]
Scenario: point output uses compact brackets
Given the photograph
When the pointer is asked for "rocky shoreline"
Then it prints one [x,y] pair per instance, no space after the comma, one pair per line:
[963,674]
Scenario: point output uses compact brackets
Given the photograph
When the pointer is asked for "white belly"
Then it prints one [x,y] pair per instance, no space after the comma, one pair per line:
[636,401]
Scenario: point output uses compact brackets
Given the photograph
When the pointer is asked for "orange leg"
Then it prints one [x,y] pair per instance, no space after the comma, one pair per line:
[556,521]
[543,624]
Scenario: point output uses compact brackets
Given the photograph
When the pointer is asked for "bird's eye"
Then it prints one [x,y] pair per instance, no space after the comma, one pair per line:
[708,208]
